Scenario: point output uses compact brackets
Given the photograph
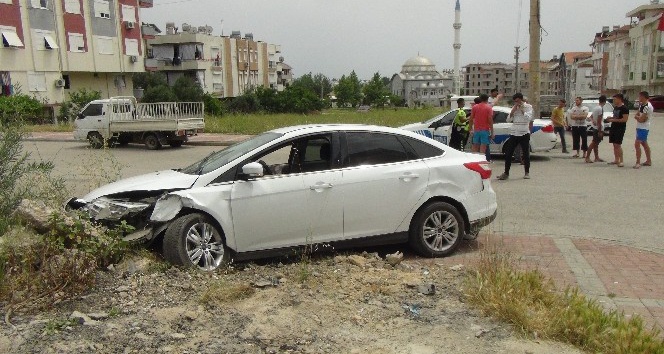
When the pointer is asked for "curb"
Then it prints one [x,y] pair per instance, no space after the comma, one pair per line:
[192,143]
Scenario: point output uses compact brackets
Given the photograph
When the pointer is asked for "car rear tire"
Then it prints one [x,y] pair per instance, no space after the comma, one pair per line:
[436,230]
[152,142]
[193,240]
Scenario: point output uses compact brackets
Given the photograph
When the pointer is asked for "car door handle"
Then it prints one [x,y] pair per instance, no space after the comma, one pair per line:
[320,186]
[408,176]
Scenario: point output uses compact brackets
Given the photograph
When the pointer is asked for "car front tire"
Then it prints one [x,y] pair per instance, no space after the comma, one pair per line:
[436,230]
[193,240]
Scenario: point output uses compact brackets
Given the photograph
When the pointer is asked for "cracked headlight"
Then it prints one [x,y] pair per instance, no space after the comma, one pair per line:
[109,209]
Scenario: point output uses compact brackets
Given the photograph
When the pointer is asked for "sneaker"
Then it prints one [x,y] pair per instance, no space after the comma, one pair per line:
[526,176]
[503,177]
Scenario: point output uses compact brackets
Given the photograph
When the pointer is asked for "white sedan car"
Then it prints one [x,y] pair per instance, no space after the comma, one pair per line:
[439,127]
[344,185]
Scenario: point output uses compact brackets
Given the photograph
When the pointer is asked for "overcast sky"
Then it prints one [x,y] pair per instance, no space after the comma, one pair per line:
[336,36]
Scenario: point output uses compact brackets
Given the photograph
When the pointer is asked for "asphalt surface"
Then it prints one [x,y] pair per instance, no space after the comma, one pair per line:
[565,197]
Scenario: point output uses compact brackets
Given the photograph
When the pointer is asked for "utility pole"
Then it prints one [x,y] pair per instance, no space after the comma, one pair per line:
[534,72]
[516,69]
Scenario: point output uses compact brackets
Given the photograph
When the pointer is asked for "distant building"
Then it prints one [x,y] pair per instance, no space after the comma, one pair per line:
[420,83]
[481,78]
[50,48]
[645,66]
[223,66]
[568,73]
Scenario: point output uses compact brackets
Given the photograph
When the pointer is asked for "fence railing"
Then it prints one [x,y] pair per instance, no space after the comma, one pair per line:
[161,111]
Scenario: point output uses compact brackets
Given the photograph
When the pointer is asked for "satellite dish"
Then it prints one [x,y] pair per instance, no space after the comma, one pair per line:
[202,29]
[208,29]
[186,27]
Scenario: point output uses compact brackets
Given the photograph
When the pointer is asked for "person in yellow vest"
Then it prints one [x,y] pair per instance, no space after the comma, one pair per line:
[460,127]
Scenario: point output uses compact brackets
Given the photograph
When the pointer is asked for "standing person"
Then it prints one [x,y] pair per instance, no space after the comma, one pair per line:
[460,126]
[522,125]
[642,129]
[597,130]
[559,123]
[579,114]
[481,124]
[618,126]
[494,98]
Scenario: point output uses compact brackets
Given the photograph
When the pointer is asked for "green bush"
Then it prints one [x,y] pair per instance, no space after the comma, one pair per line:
[160,93]
[21,179]
[19,108]
[213,105]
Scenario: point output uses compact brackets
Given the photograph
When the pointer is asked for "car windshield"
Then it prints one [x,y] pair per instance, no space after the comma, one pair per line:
[592,105]
[219,158]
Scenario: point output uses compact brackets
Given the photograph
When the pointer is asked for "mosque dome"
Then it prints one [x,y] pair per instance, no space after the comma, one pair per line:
[418,64]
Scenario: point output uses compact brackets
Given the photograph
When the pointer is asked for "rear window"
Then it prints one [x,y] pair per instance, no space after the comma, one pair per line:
[422,149]
[374,149]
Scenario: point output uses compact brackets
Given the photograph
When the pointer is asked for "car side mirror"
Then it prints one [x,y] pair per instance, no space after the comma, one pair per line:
[252,170]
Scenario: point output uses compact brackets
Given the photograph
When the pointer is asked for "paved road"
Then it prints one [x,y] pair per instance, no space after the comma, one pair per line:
[567,197]
[564,198]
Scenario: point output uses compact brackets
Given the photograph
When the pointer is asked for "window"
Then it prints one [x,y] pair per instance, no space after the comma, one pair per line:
[72,6]
[5,1]
[128,13]
[102,9]
[500,117]
[446,120]
[67,80]
[422,150]
[39,4]
[76,43]
[105,45]
[131,46]
[374,149]
[36,82]
[308,154]
[92,110]
[644,76]
[10,38]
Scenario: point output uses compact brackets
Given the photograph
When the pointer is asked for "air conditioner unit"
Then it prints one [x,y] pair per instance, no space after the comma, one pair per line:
[133,58]
[130,25]
[60,83]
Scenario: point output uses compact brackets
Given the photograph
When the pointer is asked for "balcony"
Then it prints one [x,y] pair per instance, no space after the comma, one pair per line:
[151,64]
[183,65]
[145,3]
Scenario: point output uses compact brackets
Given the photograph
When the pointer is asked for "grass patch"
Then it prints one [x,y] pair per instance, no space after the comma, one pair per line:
[258,123]
[220,292]
[530,302]
[38,128]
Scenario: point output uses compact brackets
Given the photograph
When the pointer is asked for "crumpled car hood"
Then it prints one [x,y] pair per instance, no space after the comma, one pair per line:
[161,180]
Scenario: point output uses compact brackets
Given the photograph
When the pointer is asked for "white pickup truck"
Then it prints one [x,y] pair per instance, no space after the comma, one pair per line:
[122,120]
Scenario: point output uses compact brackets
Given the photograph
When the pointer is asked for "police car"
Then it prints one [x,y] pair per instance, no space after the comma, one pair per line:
[439,127]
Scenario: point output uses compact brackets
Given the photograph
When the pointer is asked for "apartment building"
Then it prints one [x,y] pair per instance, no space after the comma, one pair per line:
[646,51]
[618,59]
[225,66]
[50,47]
[482,77]
[549,77]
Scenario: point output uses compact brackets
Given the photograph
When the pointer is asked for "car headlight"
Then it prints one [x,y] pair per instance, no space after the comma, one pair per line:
[109,209]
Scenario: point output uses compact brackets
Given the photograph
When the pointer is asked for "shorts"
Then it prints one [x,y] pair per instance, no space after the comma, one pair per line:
[642,134]
[481,137]
[616,136]
[597,137]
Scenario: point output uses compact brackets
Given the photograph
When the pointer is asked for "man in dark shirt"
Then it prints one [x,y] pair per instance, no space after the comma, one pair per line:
[618,126]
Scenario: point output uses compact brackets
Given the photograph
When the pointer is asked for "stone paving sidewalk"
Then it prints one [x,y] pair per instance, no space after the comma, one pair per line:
[619,277]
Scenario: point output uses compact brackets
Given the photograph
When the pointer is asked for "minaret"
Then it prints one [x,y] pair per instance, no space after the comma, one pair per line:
[457,48]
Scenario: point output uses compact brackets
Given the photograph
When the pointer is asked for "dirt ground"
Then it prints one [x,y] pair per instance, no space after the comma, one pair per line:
[356,303]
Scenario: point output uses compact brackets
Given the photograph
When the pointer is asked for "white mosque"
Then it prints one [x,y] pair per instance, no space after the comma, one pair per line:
[419,83]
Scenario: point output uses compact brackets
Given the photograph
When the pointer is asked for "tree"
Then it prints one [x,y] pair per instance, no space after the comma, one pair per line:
[356,89]
[160,93]
[187,90]
[343,91]
[375,92]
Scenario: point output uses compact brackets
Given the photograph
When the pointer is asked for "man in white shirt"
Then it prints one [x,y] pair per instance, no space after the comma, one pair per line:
[522,124]
[597,130]
[579,114]
[642,129]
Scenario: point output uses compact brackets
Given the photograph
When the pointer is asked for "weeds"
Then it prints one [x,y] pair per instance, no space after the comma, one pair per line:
[531,303]
[54,326]
[220,292]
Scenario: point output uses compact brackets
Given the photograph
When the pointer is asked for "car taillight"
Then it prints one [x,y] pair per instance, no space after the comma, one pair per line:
[548,129]
[483,168]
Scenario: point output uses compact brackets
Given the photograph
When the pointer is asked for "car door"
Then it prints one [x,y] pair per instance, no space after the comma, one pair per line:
[381,183]
[501,131]
[92,119]
[282,208]
[442,128]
